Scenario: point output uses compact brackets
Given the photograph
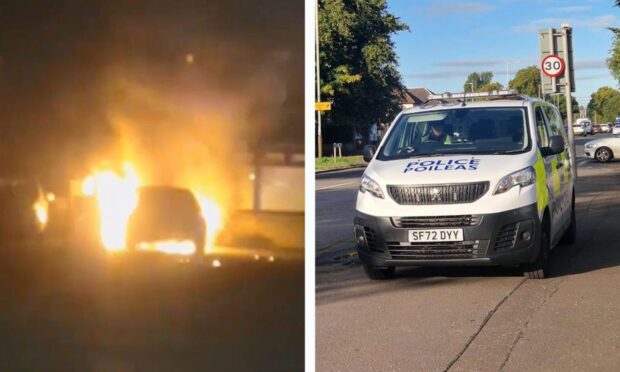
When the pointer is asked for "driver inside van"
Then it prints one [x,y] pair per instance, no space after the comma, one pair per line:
[438,133]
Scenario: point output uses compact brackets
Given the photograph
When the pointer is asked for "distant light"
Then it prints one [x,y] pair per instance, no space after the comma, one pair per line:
[252,176]
[50,197]
[217,263]
[189,58]
[271,258]
[256,257]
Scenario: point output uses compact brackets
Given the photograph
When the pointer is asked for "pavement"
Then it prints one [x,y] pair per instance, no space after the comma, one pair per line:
[472,318]
[63,309]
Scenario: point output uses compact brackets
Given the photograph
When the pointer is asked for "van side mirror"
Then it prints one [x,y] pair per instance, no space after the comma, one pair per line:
[556,146]
[369,153]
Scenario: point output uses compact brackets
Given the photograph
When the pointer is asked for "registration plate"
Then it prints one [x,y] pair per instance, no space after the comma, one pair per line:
[436,235]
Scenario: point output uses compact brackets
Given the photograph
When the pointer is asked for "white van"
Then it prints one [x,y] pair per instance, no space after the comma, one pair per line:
[585,125]
[467,183]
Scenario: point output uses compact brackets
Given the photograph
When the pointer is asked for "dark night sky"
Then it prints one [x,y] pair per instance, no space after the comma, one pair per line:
[57,58]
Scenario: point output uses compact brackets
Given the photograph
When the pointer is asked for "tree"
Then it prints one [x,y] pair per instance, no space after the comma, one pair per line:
[358,65]
[527,81]
[604,104]
[490,87]
[478,79]
[613,62]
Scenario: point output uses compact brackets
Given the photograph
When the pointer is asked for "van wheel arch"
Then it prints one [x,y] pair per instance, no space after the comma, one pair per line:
[539,267]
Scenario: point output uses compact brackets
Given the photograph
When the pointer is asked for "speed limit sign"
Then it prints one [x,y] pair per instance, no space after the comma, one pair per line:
[553,66]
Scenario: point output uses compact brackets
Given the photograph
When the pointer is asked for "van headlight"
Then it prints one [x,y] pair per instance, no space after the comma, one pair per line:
[523,177]
[369,185]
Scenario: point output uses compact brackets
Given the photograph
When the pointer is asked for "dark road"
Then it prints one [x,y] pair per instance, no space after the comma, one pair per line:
[65,311]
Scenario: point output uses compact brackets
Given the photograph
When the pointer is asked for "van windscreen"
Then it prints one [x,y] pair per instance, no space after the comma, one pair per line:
[501,130]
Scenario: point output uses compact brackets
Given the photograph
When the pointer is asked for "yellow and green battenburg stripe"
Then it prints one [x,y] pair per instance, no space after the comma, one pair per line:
[541,183]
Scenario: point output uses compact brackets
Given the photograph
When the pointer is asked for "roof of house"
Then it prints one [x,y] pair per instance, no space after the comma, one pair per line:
[415,96]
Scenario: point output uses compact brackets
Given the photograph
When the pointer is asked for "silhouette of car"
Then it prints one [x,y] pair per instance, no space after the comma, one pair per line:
[165,213]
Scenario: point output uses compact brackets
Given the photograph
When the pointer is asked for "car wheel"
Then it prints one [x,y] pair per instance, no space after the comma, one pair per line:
[539,269]
[570,236]
[379,273]
[603,154]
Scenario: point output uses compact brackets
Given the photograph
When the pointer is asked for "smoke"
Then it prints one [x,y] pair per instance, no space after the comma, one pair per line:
[181,88]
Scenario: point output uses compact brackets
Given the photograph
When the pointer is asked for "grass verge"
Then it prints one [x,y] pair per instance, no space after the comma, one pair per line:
[328,163]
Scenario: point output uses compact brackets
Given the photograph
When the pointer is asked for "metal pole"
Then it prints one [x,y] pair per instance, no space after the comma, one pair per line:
[318,85]
[569,101]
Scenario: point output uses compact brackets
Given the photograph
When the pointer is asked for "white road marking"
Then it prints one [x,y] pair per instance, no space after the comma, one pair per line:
[337,185]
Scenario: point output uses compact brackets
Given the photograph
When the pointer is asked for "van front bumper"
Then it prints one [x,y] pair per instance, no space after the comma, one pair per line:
[505,238]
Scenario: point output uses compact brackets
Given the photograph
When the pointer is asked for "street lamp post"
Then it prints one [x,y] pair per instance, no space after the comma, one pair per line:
[318,85]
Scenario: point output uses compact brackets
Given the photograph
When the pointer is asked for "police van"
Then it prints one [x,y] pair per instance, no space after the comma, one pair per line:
[475,179]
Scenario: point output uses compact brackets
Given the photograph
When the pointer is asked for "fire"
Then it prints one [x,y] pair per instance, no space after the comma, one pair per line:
[40,212]
[212,213]
[184,247]
[117,197]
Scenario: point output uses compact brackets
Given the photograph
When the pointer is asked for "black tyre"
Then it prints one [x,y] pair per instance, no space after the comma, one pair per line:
[539,269]
[570,236]
[603,154]
[379,273]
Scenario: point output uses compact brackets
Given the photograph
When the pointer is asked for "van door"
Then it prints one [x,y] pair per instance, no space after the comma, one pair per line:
[553,181]
[563,162]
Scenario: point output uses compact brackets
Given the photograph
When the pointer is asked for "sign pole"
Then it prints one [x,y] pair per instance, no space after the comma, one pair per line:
[569,100]
[318,86]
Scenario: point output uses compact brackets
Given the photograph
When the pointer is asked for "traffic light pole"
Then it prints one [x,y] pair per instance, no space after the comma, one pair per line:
[569,101]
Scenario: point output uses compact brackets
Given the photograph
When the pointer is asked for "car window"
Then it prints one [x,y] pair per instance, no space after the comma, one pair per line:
[541,128]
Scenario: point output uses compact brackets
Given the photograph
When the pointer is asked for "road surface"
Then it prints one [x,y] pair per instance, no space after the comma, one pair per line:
[437,319]
[63,310]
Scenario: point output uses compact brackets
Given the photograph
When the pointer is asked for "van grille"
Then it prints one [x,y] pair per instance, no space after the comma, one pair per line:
[506,237]
[436,221]
[433,250]
[437,194]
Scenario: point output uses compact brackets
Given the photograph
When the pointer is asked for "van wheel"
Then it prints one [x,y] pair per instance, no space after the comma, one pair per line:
[603,154]
[539,269]
[379,273]
[570,236]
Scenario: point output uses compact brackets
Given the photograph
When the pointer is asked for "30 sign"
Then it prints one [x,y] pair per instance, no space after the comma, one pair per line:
[552,65]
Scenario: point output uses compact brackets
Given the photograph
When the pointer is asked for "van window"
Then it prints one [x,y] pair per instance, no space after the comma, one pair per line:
[555,125]
[492,130]
[541,128]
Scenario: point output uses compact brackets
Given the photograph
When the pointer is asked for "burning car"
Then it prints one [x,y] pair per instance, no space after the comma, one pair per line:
[167,219]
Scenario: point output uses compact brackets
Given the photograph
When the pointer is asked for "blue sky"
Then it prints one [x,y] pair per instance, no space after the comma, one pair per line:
[450,39]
